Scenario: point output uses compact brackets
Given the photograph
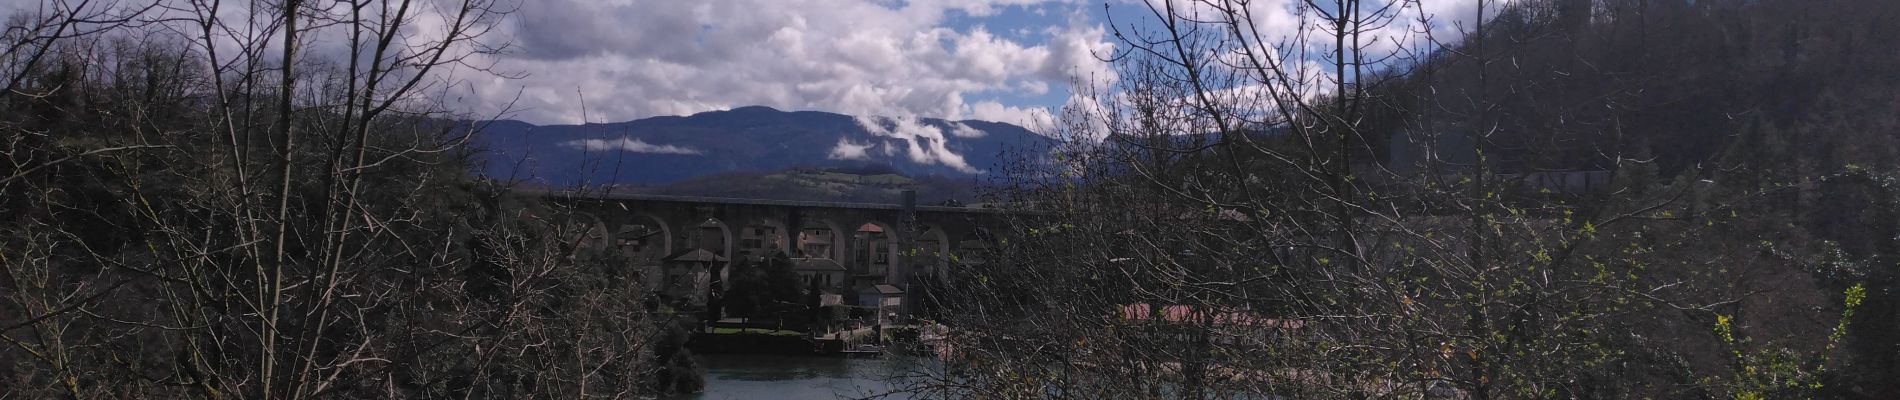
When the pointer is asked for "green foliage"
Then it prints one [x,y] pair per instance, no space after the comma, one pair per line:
[1729,192]
[766,289]
[1771,372]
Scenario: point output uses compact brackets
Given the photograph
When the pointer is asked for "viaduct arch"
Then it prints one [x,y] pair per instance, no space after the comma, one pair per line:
[890,244]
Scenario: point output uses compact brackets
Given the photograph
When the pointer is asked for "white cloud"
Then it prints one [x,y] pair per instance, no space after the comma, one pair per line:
[629,145]
[924,143]
[1085,118]
[1294,43]
[639,58]
[630,59]
[846,150]
[965,131]
[1036,119]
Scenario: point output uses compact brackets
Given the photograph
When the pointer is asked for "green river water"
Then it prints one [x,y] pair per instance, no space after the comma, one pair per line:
[745,376]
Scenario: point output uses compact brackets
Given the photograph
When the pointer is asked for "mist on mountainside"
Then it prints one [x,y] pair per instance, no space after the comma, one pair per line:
[664,150]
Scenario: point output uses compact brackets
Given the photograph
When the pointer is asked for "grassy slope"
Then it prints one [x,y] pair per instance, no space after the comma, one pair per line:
[824,185]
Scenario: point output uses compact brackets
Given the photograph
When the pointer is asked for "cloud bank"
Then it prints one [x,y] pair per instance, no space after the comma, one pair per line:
[846,150]
[922,143]
[628,145]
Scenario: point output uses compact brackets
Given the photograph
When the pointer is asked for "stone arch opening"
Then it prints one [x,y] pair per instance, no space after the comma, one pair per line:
[974,248]
[597,236]
[714,236]
[645,238]
[761,236]
[589,232]
[932,250]
[822,238]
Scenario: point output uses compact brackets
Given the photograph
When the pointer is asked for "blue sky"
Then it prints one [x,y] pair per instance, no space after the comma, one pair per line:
[1028,24]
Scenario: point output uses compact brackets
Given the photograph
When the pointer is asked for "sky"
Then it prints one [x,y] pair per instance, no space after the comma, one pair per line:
[888,63]
[1014,61]
[999,60]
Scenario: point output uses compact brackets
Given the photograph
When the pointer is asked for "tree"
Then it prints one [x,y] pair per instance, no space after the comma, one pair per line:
[1234,221]
[814,307]
[766,288]
[195,206]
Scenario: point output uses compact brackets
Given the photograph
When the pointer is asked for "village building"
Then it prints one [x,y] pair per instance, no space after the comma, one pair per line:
[689,275]
[815,242]
[820,272]
[886,301]
[872,253]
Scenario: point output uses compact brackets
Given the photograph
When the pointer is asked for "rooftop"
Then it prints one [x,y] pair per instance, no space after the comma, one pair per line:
[695,255]
[881,289]
[816,264]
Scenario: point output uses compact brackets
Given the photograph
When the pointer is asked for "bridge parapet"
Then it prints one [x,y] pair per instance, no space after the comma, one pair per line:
[878,243]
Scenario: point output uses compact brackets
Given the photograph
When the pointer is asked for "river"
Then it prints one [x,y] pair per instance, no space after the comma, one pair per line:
[745,376]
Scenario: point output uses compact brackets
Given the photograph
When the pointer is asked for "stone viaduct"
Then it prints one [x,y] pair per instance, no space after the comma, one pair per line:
[876,243]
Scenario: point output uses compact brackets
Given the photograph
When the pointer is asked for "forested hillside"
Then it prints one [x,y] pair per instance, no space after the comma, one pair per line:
[746,140]
[1575,199]
[1575,82]
[1779,114]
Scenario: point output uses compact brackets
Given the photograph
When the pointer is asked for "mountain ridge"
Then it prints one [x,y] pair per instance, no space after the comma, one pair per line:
[668,149]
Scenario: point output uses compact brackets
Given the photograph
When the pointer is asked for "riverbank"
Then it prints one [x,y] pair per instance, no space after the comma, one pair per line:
[776,342]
